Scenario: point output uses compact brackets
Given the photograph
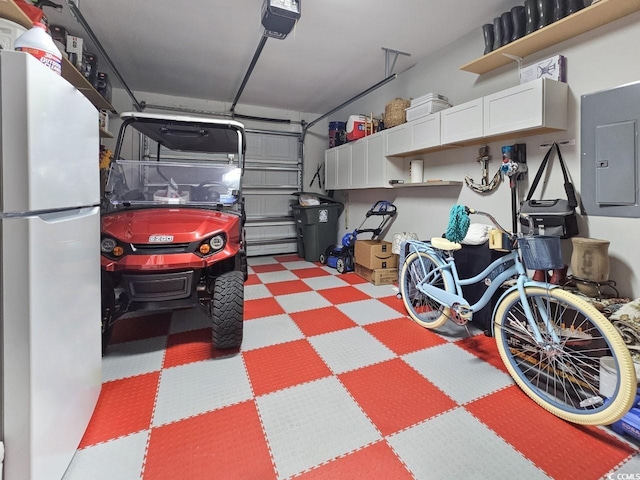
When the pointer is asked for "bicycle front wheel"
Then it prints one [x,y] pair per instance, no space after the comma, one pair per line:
[421,308]
[564,376]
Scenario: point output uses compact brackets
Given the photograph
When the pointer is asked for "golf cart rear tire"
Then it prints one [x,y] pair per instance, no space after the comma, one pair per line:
[227,310]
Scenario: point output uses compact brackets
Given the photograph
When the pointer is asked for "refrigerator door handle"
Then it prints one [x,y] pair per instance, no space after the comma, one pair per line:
[68,215]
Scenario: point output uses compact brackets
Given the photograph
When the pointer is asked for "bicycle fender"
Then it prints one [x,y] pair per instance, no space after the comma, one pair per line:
[527,283]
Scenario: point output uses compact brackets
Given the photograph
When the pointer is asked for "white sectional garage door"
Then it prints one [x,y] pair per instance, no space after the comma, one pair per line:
[272,173]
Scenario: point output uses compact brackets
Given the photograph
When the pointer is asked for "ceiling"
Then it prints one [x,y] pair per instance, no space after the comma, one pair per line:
[203,48]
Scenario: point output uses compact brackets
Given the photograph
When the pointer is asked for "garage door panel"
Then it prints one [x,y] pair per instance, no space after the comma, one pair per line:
[270,178]
[272,147]
[267,206]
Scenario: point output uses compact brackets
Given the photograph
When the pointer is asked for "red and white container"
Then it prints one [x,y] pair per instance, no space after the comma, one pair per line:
[355,127]
[39,43]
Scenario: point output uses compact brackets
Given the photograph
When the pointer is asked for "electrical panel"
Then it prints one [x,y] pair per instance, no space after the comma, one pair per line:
[610,171]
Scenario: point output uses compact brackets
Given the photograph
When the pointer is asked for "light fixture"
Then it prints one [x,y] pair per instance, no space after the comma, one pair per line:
[279,17]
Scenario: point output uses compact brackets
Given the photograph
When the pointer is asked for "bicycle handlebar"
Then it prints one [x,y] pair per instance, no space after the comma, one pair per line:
[473,211]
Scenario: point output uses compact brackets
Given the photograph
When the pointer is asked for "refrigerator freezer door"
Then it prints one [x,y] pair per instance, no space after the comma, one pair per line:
[51,357]
[49,144]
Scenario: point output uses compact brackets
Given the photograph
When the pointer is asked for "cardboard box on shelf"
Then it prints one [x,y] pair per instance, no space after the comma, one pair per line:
[375,254]
[379,276]
[554,68]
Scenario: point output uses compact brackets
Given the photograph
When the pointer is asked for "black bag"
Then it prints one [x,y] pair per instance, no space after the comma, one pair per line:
[551,217]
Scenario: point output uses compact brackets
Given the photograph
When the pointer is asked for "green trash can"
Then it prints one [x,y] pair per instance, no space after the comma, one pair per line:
[316,226]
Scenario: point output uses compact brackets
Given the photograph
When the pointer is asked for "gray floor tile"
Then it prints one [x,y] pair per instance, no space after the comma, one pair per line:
[458,373]
[322,283]
[630,470]
[189,319]
[365,312]
[200,387]
[298,302]
[133,358]
[268,260]
[254,292]
[349,349]
[279,276]
[119,459]
[457,445]
[376,291]
[266,331]
[298,265]
[312,423]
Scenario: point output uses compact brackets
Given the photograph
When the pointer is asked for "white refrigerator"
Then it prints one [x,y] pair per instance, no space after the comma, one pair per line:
[50,271]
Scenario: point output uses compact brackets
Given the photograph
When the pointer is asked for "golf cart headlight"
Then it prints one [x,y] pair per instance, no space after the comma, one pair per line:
[107,245]
[216,242]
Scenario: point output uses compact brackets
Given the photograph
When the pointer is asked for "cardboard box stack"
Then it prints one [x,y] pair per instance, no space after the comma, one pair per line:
[375,262]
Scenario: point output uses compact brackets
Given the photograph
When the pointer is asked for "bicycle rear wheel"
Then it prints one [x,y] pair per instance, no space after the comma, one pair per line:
[564,376]
[421,308]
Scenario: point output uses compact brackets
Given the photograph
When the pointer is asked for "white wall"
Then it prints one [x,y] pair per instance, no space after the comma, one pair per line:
[600,59]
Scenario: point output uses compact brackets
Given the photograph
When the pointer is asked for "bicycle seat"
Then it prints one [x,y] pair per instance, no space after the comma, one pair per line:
[444,244]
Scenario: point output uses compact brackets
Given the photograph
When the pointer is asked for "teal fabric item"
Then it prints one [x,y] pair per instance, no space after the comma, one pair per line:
[458,224]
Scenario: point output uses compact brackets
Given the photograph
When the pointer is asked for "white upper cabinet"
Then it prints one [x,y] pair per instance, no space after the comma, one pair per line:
[462,122]
[337,167]
[533,105]
[397,140]
[425,132]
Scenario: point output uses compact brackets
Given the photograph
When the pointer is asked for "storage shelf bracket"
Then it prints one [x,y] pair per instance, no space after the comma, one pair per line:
[516,59]
[390,59]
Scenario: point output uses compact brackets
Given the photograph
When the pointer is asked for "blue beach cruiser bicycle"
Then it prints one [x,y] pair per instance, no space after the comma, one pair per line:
[552,342]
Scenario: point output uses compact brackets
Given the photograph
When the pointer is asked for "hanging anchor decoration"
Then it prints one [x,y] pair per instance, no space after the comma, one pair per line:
[485,186]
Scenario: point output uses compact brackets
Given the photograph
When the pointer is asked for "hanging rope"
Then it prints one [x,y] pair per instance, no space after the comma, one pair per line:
[458,224]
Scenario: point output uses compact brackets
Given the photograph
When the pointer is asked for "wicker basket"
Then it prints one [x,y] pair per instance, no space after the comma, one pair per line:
[395,112]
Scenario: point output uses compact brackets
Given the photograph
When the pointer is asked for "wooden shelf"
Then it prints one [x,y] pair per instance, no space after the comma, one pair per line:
[10,11]
[588,18]
[430,183]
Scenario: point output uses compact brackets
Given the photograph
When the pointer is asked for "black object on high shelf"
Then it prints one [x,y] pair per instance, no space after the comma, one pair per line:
[545,13]
[559,10]
[519,20]
[489,39]
[574,6]
[497,33]
[531,13]
[507,27]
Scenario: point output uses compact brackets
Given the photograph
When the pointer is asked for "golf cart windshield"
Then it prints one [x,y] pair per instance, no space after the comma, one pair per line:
[151,183]
[184,161]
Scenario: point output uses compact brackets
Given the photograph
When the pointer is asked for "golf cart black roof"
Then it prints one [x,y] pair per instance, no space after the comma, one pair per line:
[187,133]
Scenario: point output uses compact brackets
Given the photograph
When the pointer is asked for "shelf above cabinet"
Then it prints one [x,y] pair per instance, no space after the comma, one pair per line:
[591,17]
[430,183]
[10,11]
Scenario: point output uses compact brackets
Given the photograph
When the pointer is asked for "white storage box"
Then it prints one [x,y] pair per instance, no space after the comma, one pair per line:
[608,376]
[428,97]
[554,68]
[426,108]
[9,31]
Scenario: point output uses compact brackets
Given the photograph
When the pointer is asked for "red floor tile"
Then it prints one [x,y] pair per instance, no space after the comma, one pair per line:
[484,348]
[262,307]
[394,396]
[124,407]
[226,443]
[310,272]
[289,258]
[272,267]
[340,295]
[285,365]
[403,335]
[139,328]
[394,302]
[189,347]
[286,288]
[252,280]
[548,441]
[352,278]
[321,320]
[377,461]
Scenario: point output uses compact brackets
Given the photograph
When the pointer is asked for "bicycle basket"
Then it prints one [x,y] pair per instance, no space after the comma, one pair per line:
[541,252]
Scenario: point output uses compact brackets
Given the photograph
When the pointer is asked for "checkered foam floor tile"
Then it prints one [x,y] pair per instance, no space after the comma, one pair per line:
[332,381]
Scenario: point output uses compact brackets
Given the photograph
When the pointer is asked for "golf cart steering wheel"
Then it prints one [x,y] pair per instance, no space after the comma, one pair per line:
[209,191]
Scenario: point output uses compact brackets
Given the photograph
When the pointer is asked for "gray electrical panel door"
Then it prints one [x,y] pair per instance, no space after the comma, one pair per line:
[610,177]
